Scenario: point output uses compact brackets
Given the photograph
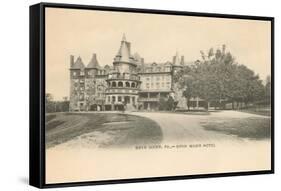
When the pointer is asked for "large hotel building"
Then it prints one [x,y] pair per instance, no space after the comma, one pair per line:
[129,83]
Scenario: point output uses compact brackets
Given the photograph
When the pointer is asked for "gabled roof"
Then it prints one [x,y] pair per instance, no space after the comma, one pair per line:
[93,62]
[78,64]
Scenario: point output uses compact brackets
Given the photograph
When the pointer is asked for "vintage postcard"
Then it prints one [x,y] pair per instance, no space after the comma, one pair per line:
[139,95]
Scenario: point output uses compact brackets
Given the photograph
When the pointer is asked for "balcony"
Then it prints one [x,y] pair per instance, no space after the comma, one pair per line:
[121,77]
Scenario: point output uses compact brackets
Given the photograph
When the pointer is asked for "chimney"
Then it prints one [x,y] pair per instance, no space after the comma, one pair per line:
[71,61]
[182,60]
[174,59]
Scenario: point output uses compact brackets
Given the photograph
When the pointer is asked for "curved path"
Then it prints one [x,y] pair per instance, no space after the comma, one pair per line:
[178,127]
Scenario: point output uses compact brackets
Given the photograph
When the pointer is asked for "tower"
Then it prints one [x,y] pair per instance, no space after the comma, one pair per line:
[123,82]
[77,84]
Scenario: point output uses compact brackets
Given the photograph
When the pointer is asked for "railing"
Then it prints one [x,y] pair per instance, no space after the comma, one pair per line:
[123,77]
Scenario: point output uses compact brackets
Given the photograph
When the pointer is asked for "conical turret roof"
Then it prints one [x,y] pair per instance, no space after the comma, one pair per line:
[78,64]
[93,62]
[124,52]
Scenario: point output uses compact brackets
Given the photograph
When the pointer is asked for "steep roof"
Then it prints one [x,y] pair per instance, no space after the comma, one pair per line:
[124,52]
[78,64]
[93,62]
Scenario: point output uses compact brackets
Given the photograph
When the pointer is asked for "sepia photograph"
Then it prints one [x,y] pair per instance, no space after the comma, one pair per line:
[139,95]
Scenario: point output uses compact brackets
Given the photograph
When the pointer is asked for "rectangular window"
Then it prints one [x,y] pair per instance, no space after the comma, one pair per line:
[147,85]
[119,98]
[157,85]
[82,73]
[74,73]
[108,98]
[168,84]
[113,99]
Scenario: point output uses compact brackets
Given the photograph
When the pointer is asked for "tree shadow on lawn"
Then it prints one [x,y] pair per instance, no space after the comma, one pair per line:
[105,129]
[252,128]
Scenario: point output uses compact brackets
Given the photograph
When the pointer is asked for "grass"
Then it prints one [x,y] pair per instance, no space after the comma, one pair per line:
[124,129]
[259,111]
[252,128]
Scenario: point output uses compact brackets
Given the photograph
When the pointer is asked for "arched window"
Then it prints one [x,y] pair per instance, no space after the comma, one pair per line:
[133,85]
[113,84]
[127,84]
[120,84]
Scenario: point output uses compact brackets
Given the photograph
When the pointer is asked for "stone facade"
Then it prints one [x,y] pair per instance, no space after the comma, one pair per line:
[129,84]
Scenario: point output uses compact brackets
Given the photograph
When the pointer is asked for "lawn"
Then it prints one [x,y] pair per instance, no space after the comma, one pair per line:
[266,111]
[252,127]
[104,129]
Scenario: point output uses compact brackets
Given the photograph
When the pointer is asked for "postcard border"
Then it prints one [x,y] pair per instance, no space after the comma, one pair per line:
[37,90]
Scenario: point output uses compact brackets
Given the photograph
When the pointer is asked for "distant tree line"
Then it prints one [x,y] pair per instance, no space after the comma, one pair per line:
[218,78]
[52,106]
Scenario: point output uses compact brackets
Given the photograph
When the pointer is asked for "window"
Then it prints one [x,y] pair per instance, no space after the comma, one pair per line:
[133,85]
[157,85]
[113,99]
[113,84]
[120,84]
[127,84]
[81,88]
[147,79]
[119,98]
[108,99]
[74,73]
[168,84]
[89,73]
[82,73]
[157,79]
[147,85]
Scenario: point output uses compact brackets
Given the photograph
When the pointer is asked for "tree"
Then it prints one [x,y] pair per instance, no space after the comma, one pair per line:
[268,90]
[218,77]
[170,103]
[185,80]
[162,104]
[49,103]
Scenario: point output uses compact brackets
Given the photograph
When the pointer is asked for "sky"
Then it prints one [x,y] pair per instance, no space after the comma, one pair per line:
[157,38]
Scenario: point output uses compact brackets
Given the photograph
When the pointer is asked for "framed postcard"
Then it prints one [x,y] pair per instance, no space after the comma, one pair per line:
[123,95]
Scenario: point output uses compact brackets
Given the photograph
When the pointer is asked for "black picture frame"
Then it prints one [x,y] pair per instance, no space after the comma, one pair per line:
[37,94]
